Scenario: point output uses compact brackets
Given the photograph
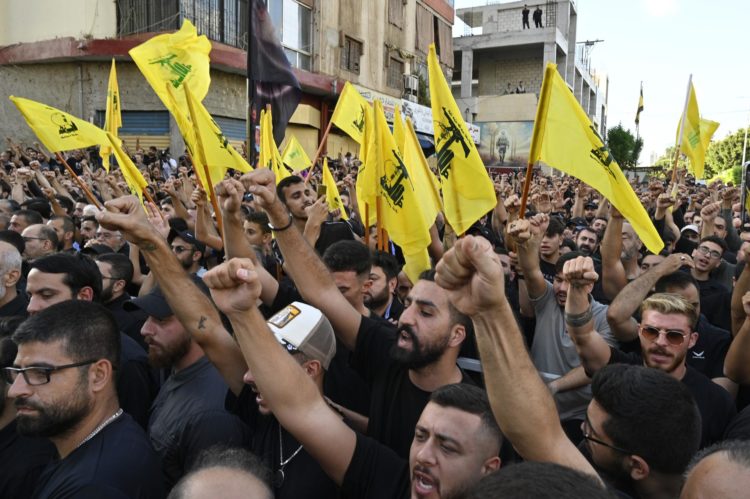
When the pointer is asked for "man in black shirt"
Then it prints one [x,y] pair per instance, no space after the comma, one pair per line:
[64,276]
[402,365]
[666,332]
[715,297]
[456,439]
[64,389]
[381,296]
[117,274]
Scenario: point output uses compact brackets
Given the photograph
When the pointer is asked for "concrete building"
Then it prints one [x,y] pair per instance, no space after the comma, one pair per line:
[499,69]
[59,53]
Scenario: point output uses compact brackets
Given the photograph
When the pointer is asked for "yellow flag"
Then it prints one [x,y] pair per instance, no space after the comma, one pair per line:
[174,59]
[696,134]
[294,155]
[219,154]
[269,156]
[565,139]
[350,111]
[57,130]
[428,192]
[131,174]
[400,209]
[367,175]
[112,115]
[332,192]
[468,192]
[399,135]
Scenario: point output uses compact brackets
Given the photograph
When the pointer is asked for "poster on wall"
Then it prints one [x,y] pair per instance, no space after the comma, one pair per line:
[505,143]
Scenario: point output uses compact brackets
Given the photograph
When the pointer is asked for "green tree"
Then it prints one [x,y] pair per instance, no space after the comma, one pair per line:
[666,160]
[625,148]
[725,153]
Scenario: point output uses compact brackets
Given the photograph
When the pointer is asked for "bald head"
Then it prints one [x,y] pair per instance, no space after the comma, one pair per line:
[233,484]
[722,470]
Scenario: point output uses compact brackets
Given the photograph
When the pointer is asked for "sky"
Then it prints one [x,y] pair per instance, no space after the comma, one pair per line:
[661,42]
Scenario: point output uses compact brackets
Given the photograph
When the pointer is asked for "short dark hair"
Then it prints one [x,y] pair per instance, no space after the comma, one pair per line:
[588,229]
[387,262]
[678,279]
[471,399]
[89,218]
[122,267]
[456,316]
[284,183]
[650,414]
[570,244]
[32,217]
[50,235]
[555,227]
[66,203]
[219,456]
[67,223]
[260,218]
[80,271]
[717,241]
[540,481]
[87,330]
[343,256]
[40,206]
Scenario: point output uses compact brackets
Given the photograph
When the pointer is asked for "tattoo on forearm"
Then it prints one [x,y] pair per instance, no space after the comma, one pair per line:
[148,247]
[202,322]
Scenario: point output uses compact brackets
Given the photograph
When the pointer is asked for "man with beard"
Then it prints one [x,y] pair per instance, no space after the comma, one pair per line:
[117,273]
[666,332]
[63,384]
[303,477]
[553,353]
[23,457]
[89,225]
[188,414]
[642,426]
[380,298]
[456,439]
[587,241]
[66,232]
[402,365]
[62,277]
[189,251]
[40,241]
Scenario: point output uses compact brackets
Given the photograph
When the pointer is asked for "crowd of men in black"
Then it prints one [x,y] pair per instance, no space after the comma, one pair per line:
[147,353]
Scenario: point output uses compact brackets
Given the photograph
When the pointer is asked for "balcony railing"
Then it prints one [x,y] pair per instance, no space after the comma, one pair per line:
[223,21]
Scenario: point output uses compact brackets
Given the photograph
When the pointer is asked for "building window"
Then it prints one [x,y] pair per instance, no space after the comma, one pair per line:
[396,12]
[293,22]
[350,54]
[395,74]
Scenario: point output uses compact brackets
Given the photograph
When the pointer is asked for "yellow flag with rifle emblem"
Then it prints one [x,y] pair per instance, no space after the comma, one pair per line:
[112,114]
[332,192]
[294,155]
[349,114]
[565,139]
[174,59]
[468,192]
[696,134]
[58,130]
[131,174]
[425,182]
[269,156]
[400,209]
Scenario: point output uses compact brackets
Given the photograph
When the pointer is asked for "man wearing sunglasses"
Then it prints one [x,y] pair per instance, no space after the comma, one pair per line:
[666,332]
[63,383]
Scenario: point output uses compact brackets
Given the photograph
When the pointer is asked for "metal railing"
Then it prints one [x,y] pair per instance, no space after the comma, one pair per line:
[223,21]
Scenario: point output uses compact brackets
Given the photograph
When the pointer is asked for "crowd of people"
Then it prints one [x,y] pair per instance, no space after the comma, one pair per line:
[278,349]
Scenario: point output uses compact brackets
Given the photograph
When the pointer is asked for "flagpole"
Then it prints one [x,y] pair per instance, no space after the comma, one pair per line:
[202,155]
[682,127]
[318,152]
[80,182]
[638,123]
[251,158]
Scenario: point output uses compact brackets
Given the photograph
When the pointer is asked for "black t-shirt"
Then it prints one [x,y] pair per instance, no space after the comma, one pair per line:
[739,427]
[23,460]
[136,380]
[375,472]
[549,270]
[303,476]
[396,403]
[118,462]
[708,354]
[714,402]
[715,303]
[129,322]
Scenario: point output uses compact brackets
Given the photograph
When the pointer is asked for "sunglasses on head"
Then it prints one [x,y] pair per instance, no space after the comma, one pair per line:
[674,336]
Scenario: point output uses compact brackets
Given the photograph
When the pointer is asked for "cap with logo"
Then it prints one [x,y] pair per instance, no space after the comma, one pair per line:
[302,328]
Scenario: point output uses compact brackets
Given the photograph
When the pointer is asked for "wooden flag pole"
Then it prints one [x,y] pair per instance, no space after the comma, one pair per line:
[81,183]
[318,152]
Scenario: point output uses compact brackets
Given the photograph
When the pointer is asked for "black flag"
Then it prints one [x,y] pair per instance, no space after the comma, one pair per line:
[269,71]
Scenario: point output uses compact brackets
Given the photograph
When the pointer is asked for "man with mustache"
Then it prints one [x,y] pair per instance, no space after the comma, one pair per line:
[63,383]
[666,333]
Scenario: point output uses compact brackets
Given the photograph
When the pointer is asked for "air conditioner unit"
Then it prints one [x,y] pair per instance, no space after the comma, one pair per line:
[411,86]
